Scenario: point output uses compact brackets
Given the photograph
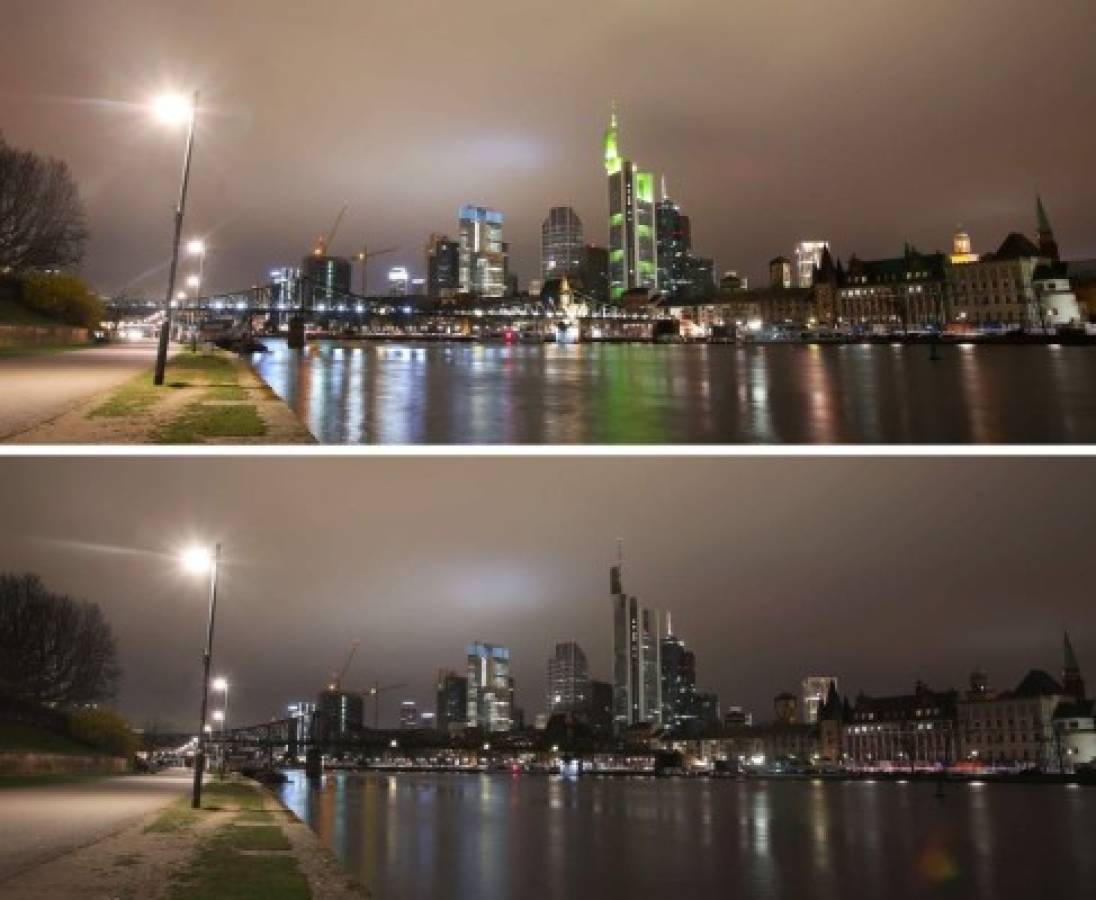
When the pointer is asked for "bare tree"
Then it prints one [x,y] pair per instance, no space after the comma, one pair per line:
[42,221]
[53,649]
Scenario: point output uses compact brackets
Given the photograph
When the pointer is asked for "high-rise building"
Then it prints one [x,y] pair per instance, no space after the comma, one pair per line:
[490,687]
[808,255]
[637,674]
[561,244]
[633,251]
[442,267]
[675,244]
[678,667]
[409,715]
[568,679]
[815,690]
[399,282]
[594,275]
[451,711]
[340,714]
[600,707]
[325,280]
[483,254]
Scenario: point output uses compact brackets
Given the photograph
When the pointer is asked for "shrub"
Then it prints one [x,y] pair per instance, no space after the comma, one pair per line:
[64,298]
[105,730]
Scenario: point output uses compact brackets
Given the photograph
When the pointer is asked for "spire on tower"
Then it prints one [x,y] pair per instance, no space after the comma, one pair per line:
[669,624]
[1048,247]
[665,193]
[1072,682]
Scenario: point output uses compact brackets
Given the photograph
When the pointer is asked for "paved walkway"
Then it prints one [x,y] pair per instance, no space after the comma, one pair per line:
[37,388]
[40,823]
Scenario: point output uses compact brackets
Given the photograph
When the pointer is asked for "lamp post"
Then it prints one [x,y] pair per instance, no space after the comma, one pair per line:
[172,110]
[199,561]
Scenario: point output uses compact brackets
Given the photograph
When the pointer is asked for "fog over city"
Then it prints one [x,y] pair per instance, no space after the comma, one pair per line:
[868,125]
[872,571]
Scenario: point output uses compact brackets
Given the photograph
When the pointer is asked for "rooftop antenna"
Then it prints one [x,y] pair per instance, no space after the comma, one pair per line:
[669,624]
[665,194]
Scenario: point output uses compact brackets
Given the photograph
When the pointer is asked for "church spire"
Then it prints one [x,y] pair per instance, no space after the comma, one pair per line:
[1048,247]
[1071,672]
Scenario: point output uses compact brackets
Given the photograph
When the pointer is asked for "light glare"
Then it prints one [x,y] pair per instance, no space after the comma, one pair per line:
[172,109]
[197,560]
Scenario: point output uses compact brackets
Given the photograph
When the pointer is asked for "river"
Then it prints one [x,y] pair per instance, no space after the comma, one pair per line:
[488,837]
[617,394]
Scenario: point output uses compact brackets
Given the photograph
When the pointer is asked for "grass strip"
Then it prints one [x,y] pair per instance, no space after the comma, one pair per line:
[219,871]
[232,795]
[198,422]
[269,838]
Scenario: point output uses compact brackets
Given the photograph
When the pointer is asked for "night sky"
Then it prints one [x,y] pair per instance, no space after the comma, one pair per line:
[869,124]
[876,571]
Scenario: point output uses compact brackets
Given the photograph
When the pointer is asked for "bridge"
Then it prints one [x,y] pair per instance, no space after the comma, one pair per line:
[302,305]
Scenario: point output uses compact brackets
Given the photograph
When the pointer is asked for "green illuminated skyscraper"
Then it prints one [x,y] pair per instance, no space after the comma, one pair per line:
[633,254]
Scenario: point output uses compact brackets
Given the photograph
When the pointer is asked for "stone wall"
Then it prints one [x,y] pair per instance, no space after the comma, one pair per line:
[42,336]
[13,763]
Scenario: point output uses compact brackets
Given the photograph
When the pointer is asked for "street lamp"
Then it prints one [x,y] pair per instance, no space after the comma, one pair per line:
[174,109]
[200,561]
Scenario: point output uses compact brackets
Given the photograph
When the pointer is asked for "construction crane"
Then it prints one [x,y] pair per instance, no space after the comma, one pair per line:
[337,677]
[364,258]
[325,241]
[375,692]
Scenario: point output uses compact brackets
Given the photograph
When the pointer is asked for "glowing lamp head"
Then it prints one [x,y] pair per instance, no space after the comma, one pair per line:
[172,109]
[194,282]
[218,715]
[220,684]
[197,560]
[196,247]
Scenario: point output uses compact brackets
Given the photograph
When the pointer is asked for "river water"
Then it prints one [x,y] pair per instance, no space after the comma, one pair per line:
[397,393]
[482,837]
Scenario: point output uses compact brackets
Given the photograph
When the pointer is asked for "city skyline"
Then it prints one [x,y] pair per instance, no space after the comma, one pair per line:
[758,169]
[759,619]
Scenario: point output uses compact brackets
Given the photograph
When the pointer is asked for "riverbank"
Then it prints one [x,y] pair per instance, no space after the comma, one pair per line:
[210,398]
[243,843]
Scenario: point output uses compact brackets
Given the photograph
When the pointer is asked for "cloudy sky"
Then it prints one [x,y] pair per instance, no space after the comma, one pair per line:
[876,571]
[867,123]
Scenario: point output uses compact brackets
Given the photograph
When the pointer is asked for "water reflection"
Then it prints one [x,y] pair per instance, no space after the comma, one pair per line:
[643,394]
[480,836]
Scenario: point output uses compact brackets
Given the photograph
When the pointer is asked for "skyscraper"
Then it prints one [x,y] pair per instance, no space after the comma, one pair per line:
[675,243]
[561,244]
[490,687]
[594,276]
[442,267]
[409,715]
[808,255]
[451,710]
[678,667]
[633,254]
[568,679]
[483,254]
[637,675]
